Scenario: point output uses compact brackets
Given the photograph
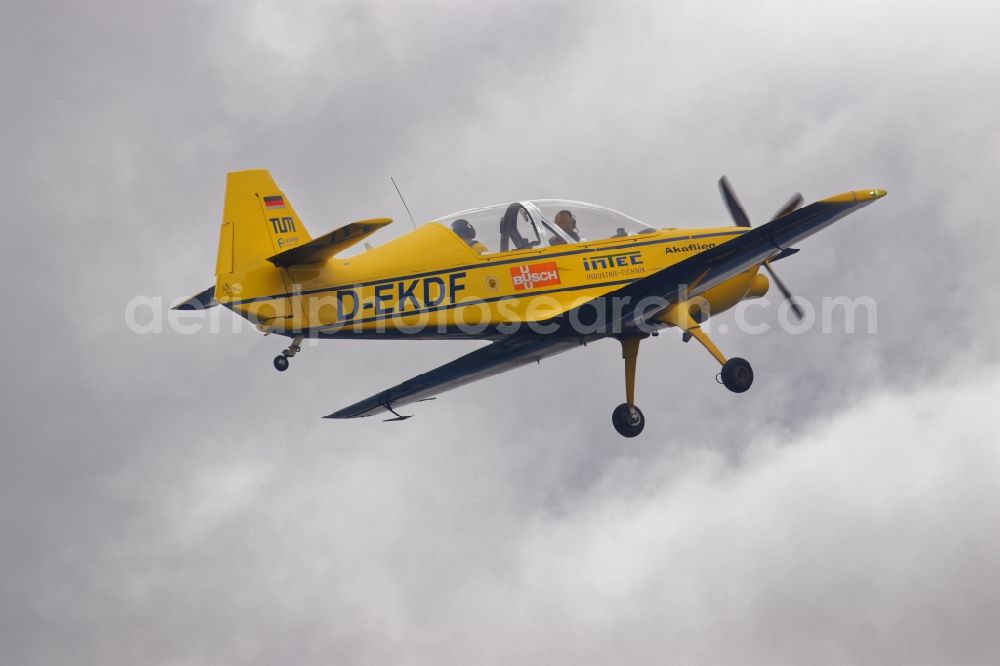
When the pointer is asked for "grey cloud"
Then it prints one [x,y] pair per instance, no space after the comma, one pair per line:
[171,499]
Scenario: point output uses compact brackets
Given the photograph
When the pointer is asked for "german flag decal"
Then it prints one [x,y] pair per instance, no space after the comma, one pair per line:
[275,202]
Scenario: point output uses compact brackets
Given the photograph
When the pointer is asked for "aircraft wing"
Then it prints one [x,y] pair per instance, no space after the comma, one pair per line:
[505,354]
[699,272]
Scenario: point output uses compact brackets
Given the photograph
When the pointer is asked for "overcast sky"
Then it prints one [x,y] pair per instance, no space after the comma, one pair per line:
[171,499]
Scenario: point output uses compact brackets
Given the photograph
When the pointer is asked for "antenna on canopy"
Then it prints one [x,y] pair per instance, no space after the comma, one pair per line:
[404,202]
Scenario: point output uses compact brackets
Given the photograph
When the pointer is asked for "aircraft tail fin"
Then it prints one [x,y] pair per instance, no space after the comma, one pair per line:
[258,222]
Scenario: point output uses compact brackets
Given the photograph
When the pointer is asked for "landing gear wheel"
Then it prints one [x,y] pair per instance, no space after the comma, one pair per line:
[737,375]
[281,363]
[628,421]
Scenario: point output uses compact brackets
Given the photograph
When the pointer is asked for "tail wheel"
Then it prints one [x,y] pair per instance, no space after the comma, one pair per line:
[737,375]
[628,420]
[281,363]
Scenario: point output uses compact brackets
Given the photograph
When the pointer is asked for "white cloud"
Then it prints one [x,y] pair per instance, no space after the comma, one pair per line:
[869,537]
[865,537]
[172,499]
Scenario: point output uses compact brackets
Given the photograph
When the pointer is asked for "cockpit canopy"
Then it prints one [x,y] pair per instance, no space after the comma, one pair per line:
[539,223]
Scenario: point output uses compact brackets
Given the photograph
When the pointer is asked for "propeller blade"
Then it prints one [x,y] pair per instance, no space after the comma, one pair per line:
[784,292]
[792,204]
[735,209]
[740,218]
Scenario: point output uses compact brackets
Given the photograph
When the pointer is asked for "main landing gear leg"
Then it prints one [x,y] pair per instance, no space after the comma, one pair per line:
[626,418]
[736,375]
[281,360]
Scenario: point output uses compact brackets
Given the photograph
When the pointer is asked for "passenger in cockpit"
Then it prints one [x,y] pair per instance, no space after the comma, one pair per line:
[567,222]
[464,230]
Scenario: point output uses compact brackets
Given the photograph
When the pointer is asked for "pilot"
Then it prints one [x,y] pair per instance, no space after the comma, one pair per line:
[565,221]
[464,230]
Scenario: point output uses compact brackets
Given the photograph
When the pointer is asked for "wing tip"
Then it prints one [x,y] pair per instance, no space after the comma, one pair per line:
[855,196]
[343,414]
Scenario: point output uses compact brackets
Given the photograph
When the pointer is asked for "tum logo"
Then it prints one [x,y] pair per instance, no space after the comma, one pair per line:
[282,225]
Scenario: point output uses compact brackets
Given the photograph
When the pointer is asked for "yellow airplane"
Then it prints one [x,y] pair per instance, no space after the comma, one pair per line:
[535,278]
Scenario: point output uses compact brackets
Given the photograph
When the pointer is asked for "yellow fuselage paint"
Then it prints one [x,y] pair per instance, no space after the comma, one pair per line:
[430,280]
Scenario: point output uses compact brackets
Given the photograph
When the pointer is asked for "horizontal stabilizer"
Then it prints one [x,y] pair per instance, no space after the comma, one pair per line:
[320,249]
[205,299]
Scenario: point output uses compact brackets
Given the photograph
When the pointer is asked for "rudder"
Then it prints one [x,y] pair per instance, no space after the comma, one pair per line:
[257,222]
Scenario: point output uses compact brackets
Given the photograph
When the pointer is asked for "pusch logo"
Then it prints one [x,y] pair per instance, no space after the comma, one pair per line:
[531,276]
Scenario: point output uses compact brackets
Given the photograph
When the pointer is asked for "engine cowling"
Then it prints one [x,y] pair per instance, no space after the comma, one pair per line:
[721,297]
[759,286]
